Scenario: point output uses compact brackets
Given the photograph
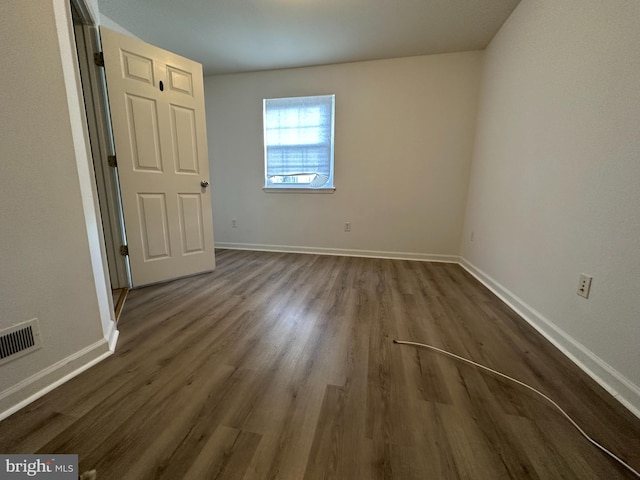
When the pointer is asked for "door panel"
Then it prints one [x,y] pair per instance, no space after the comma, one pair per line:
[154,226]
[142,116]
[156,100]
[191,223]
[183,129]
[180,81]
[136,67]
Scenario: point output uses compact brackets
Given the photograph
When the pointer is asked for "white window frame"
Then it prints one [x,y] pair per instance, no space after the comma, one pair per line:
[327,187]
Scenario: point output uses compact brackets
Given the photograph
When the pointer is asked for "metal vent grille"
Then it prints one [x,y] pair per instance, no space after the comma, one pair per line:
[19,340]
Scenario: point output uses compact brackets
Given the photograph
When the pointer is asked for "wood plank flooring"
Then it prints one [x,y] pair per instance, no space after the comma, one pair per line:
[282,366]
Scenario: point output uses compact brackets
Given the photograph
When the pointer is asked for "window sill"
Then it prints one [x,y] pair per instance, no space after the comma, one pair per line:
[298,190]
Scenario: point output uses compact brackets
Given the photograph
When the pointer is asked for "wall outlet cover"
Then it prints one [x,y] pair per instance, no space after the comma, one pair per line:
[584,285]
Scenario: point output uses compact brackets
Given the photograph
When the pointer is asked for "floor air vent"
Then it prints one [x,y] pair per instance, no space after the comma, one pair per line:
[19,340]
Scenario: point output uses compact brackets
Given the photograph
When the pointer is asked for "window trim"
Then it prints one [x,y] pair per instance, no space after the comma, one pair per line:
[299,190]
[293,187]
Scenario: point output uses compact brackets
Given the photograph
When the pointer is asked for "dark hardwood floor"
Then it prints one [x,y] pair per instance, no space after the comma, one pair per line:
[282,366]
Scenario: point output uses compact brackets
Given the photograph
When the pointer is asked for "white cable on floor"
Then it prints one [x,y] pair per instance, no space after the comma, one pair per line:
[566,415]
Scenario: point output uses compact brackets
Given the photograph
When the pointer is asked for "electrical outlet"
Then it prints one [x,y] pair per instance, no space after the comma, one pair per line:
[347,226]
[234,223]
[584,285]
[471,236]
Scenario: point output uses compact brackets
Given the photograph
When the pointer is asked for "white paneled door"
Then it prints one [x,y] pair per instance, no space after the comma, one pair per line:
[156,99]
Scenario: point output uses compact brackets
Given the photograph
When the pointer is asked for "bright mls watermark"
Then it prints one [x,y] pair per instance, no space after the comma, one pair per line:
[51,467]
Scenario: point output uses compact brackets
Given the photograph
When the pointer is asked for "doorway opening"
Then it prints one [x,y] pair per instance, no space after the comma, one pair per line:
[148,104]
[87,39]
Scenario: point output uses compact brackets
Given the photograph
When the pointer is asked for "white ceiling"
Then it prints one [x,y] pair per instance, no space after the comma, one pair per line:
[229,36]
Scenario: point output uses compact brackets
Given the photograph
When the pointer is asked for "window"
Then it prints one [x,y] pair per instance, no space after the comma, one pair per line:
[298,142]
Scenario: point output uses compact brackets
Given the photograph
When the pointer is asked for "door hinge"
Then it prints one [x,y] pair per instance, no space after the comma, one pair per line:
[98,59]
[124,250]
[111,160]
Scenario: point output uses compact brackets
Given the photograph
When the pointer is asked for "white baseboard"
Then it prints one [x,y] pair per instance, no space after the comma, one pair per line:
[341,252]
[30,389]
[623,390]
[113,338]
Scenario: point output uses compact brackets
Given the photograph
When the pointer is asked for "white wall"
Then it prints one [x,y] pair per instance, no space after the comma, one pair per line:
[555,182]
[51,263]
[116,27]
[404,133]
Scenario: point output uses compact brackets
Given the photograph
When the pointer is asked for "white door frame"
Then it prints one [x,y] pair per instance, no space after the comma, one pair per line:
[101,139]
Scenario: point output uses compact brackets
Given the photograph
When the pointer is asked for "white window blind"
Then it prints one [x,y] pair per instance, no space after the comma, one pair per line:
[298,142]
